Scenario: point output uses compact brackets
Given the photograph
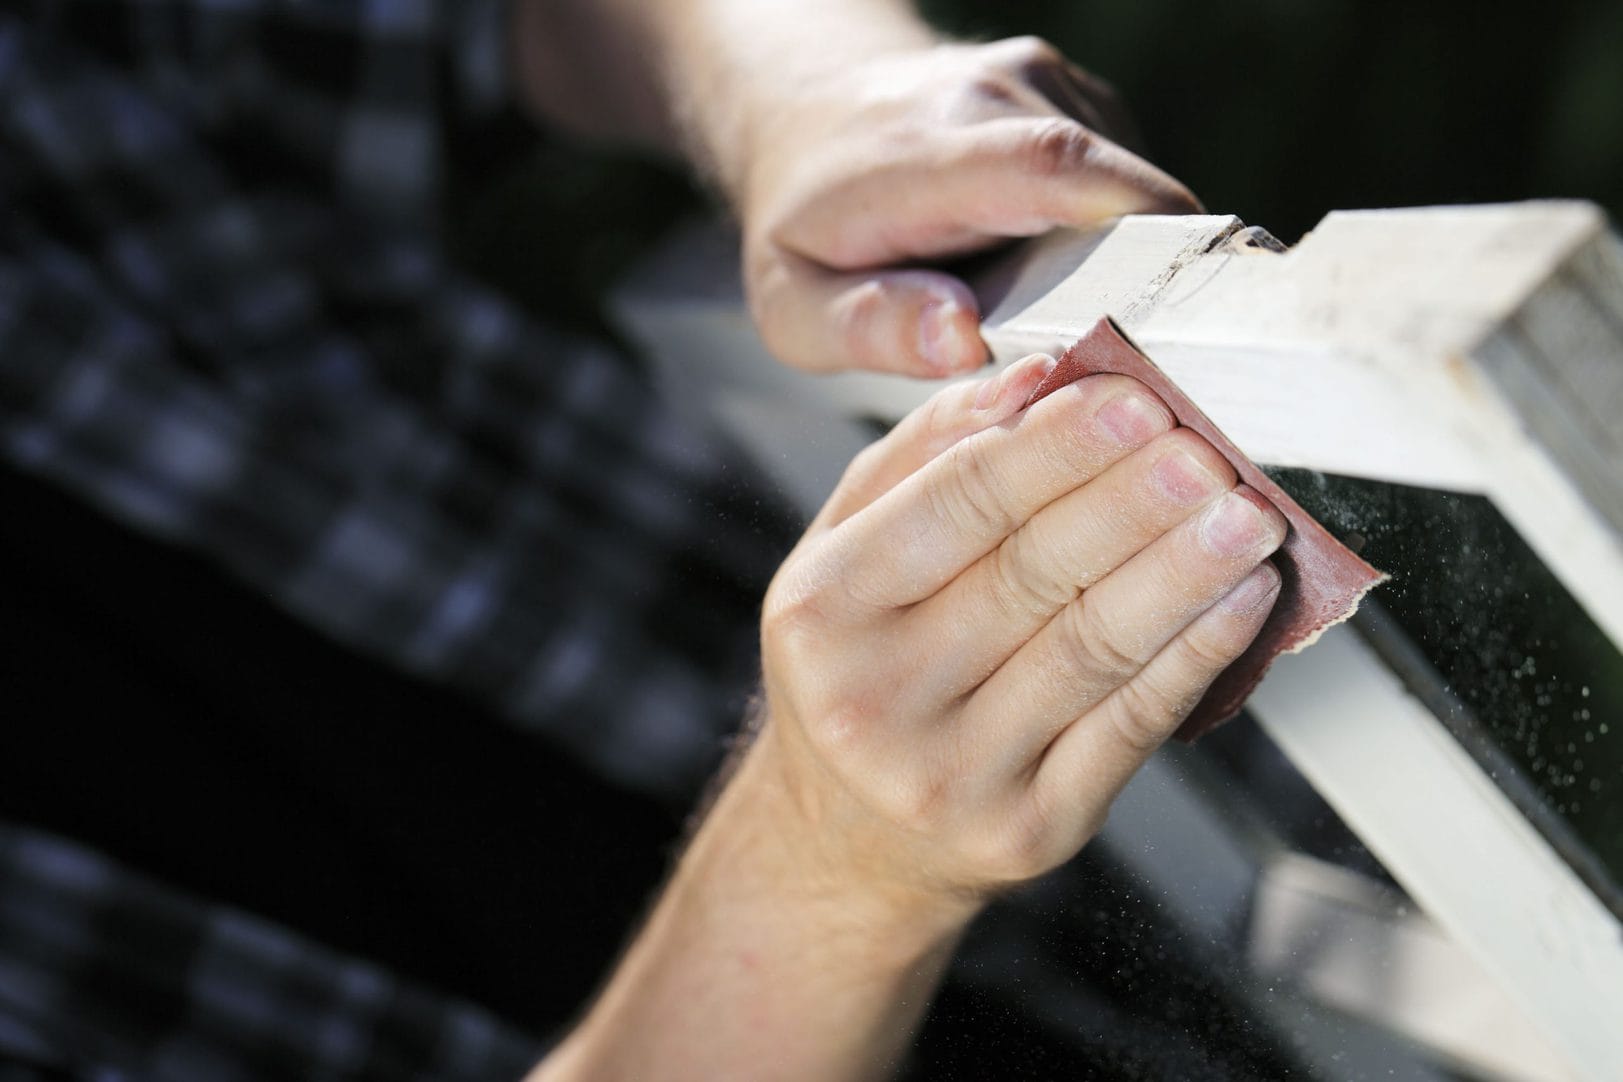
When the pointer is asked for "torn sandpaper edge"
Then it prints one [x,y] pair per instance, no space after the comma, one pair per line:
[1322,580]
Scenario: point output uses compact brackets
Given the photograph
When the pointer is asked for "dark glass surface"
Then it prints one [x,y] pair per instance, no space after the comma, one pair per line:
[1492,641]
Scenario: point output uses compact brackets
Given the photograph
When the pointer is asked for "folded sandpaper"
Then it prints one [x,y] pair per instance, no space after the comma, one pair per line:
[1322,580]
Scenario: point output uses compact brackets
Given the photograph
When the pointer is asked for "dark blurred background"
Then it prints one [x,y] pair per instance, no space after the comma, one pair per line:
[1277,111]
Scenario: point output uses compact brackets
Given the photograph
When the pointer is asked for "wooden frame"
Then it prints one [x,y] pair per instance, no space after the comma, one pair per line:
[1475,349]
[1456,843]
[1411,346]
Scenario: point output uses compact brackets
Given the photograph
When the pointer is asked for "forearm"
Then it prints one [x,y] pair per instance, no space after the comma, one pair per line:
[699,77]
[755,964]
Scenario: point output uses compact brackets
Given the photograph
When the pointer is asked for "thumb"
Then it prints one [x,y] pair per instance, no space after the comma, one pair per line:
[915,322]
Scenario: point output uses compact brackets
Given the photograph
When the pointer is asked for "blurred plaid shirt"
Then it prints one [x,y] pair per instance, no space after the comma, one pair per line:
[224,318]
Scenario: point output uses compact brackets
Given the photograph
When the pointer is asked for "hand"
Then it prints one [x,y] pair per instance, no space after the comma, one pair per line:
[868,169]
[996,619]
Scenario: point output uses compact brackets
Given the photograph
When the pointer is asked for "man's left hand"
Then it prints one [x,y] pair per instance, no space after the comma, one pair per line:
[867,173]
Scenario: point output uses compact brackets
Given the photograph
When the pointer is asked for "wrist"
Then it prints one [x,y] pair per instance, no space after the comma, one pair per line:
[762,951]
[740,71]
[801,840]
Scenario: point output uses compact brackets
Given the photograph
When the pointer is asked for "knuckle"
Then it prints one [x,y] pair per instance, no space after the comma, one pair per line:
[866,462]
[974,500]
[993,88]
[1139,715]
[914,800]
[788,631]
[1058,147]
[1018,588]
[1023,848]
[1003,858]
[1029,51]
[795,609]
[1097,647]
[839,730]
[1074,818]
[1205,651]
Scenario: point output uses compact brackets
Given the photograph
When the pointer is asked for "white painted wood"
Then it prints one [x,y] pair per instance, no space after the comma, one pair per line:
[1366,299]
[1456,843]
[1034,300]
[1381,347]
[1560,359]
[1360,946]
[1428,281]
[1178,832]
[1543,501]
[1471,349]
[1264,397]
[1318,936]
[1193,850]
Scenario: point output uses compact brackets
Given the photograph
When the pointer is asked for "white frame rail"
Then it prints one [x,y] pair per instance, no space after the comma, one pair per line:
[1472,349]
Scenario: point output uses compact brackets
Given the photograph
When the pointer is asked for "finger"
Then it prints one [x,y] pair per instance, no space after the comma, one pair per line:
[1101,641]
[924,532]
[1117,120]
[1100,752]
[1058,87]
[952,414]
[978,621]
[1001,178]
[1074,175]
[1035,66]
[914,322]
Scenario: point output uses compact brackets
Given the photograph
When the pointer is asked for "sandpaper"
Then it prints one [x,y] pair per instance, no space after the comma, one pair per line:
[1322,581]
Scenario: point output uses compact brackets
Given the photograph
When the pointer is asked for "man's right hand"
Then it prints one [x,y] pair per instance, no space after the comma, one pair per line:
[998,616]
[994,622]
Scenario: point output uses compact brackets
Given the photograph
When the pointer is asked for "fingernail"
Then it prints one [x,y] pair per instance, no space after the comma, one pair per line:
[1034,367]
[1234,526]
[1031,374]
[988,393]
[1009,390]
[1134,417]
[1184,478]
[1257,590]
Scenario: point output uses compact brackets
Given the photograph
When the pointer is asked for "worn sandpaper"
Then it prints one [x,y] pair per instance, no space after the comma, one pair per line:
[1322,580]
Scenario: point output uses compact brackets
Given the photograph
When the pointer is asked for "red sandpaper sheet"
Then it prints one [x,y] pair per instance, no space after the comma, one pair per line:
[1322,581]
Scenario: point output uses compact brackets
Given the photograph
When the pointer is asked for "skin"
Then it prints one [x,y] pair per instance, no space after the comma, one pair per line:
[855,147]
[999,614]
[996,619]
